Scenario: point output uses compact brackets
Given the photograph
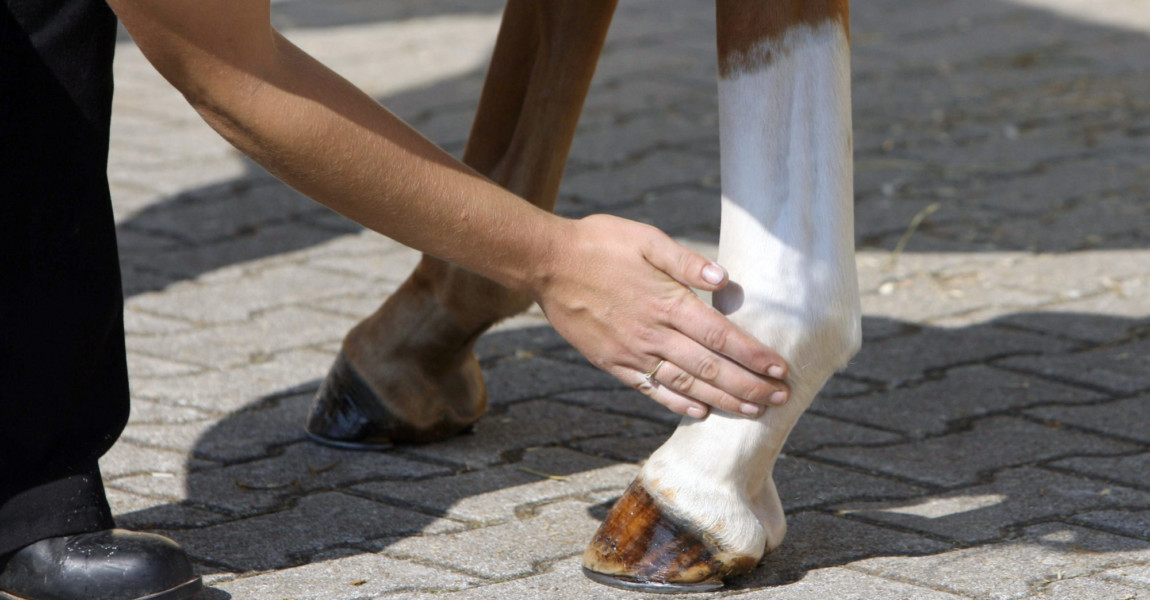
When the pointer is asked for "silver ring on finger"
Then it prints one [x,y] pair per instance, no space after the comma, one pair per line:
[649,376]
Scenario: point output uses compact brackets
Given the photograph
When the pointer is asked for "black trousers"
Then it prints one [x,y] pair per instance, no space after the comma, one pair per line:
[63,377]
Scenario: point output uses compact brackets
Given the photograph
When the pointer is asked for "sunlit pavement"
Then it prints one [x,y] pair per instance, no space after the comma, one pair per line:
[992,439]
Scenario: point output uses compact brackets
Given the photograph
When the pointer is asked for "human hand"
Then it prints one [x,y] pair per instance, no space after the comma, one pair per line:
[617,290]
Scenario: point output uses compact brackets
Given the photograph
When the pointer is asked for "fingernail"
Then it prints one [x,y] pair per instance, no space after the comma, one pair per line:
[779,397]
[696,412]
[714,274]
[776,371]
[750,409]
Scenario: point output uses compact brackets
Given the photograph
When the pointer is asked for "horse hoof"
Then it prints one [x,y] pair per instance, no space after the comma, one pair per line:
[350,415]
[643,547]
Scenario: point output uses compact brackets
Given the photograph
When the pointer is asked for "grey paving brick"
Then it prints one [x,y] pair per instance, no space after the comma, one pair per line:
[246,435]
[496,494]
[805,483]
[286,538]
[515,379]
[278,286]
[629,182]
[1134,575]
[961,458]
[1131,470]
[1123,368]
[846,584]
[562,580]
[905,358]
[527,425]
[136,512]
[1086,587]
[274,331]
[814,431]
[512,549]
[989,512]
[961,393]
[635,449]
[348,578]
[622,401]
[1014,568]
[818,541]
[257,486]
[1134,523]
[1127,418]
[231,390]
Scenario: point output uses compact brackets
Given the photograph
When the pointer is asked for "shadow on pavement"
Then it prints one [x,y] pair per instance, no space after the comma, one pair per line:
[899,457]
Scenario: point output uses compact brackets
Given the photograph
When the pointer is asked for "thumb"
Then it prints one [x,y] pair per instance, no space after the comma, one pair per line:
[685,265]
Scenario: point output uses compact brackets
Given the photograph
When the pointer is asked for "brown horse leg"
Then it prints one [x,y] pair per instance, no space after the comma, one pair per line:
[408,373]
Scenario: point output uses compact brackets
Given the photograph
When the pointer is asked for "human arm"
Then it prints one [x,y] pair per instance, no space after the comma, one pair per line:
[321,135]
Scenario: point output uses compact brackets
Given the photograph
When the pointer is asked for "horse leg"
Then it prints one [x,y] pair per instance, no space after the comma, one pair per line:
[408,373]
[704,507]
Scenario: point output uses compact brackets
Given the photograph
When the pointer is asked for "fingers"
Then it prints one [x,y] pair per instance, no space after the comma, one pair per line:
[719,382]
[709,328]
[676,402]
[683,264]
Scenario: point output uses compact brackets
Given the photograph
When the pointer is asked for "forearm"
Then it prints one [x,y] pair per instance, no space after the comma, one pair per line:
[323,136]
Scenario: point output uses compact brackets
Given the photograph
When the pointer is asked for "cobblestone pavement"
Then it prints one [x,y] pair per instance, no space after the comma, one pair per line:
[992,439]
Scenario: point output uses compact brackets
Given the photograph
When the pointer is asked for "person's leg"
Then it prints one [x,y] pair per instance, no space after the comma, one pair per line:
[63,379]
[63,385]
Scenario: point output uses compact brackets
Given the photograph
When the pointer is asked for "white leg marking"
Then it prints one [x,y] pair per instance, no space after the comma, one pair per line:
[788,241]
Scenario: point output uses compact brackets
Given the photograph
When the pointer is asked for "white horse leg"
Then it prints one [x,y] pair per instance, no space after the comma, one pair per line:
[704,506]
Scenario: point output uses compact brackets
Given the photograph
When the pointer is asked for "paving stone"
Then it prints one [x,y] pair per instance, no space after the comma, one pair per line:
[845,584]
[988,512]
[527,425]
[139,323]
[498,494]
[286,538]
[962,458]
[279,286]
[629,182]
[273,243]
[814,431]
[1090,319]
[635,449]
[1011,569]
[564,580]
[1123,368]
[261,485]
[1123,418]
[232,390]
[961,393]
[246,435]
[350,578]
[805,484]
[1134,523]
[514,379]
[132,511]
[1087,587]
[906,358]
[1134,575]
[817,541]
[126,458]
[1132,470]
[512,549]
[277,330]
[623,401]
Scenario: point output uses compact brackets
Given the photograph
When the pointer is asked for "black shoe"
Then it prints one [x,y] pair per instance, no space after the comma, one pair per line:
[104,565]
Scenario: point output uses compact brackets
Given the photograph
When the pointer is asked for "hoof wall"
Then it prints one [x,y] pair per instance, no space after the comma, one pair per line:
[642,546]
[652,587]
[347,413]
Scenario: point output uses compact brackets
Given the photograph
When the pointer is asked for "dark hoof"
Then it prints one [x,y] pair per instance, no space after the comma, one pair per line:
[642,547]
[349,414]
[111,565]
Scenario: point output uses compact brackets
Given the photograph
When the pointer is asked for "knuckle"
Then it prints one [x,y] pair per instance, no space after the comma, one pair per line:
[707,368]
[716,338]
[682,381]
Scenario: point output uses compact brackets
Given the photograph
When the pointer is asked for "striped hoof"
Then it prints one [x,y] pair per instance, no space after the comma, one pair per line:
[350,414]
[641,546]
